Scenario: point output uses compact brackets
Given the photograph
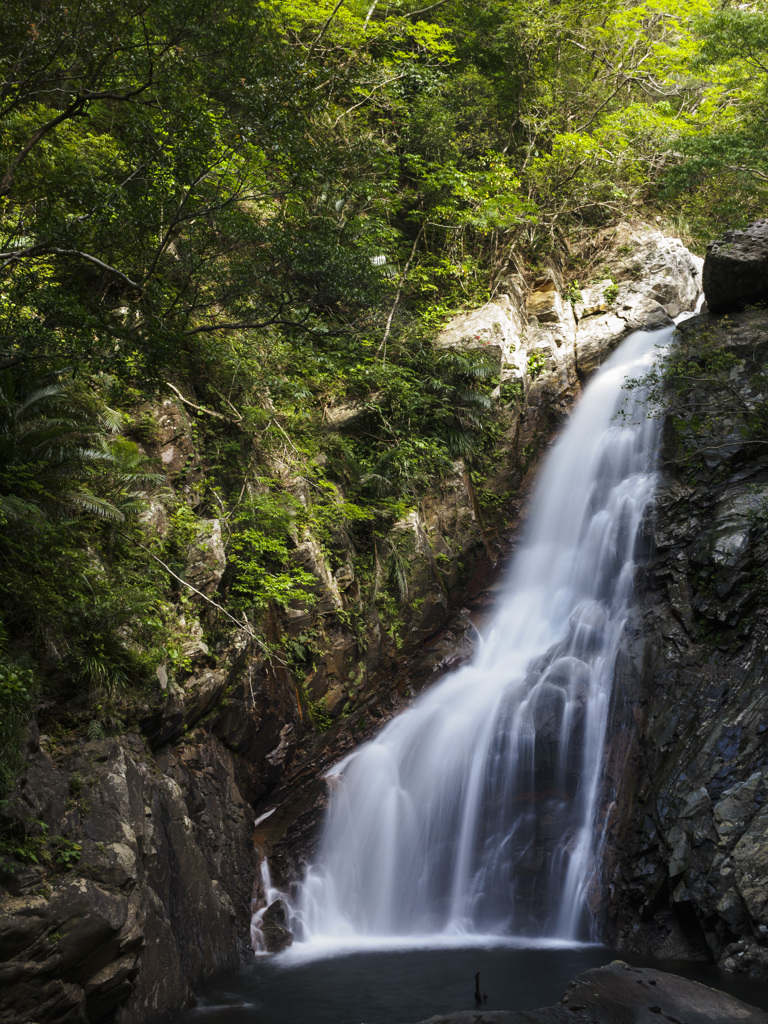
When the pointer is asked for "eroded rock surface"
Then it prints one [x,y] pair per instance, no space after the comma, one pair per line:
[690,838]
[151,895]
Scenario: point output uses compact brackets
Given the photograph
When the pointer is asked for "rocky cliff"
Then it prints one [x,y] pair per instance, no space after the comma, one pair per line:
[688,842]
[129,863]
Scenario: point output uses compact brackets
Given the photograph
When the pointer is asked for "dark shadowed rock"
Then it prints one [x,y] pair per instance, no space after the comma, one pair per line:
[736,269]
[619,994]
[274,928]
[687,850]
[157,900]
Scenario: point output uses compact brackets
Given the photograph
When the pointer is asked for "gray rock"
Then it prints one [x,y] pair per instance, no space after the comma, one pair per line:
[693,814]
[736,269]
[619,994]
[158,902]
[547,705]
[206,560]
[494,328]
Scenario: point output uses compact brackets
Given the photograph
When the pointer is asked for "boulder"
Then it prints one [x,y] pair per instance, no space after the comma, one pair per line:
[545,304]
[275,934]
[618,994]
[495,327]
[736,269]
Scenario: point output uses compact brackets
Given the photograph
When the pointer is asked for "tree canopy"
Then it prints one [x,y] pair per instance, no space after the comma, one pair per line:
[263,208]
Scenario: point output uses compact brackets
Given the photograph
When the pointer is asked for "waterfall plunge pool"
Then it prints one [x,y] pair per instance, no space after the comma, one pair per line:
[397,985]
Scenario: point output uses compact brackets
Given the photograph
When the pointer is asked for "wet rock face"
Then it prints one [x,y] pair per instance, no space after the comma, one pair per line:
[688,847]
[157,901]
[275,933]
[736,269]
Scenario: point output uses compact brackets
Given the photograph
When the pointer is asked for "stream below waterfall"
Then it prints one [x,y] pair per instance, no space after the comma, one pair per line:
[395,986]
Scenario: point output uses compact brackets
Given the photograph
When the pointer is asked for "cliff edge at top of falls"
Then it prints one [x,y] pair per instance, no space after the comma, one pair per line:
[128,863]
[687,850]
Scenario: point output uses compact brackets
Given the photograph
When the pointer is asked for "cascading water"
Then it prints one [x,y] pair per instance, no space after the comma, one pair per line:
[474,812]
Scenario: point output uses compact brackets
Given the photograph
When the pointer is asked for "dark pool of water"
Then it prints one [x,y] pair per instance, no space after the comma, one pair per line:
[391,987]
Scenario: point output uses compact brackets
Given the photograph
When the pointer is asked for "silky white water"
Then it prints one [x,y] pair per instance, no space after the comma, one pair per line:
[476,811]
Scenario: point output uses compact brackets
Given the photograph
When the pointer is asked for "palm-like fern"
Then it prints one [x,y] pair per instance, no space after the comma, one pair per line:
[53,449]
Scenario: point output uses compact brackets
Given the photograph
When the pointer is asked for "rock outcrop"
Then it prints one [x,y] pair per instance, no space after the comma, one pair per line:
[649,279]
[736,269]
[142,887]
[689,841]
[617,994]
[652,280]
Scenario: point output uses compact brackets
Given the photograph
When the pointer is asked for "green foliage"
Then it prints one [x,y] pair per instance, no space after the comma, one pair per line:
[511,390]
[17,686]
[536,365]
[270,210]
[259,556]
[318,714]
[35,845]
[712,396]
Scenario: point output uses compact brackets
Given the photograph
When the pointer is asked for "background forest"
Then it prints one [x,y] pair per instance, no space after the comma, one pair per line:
[265,211]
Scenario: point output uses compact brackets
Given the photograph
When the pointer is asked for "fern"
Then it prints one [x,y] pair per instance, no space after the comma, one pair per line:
[95,730]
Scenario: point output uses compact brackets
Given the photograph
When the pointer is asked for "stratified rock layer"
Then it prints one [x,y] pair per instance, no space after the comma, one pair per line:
[736,269]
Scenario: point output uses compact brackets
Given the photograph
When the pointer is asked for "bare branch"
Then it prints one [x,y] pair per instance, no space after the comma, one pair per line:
[49,250]
[325,27]
[424,10]
[199,408]
[400,283]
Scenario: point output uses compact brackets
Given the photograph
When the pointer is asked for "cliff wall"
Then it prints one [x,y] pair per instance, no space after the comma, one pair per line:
[688,844]
[129,865]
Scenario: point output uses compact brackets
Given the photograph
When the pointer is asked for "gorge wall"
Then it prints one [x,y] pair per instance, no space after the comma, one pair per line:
[689,841]
[134,864]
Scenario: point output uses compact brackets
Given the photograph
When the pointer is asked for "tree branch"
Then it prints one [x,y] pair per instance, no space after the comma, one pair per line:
[49,250]
[424,10]
[400,283]
[73,110]
[199,408]
[325,27]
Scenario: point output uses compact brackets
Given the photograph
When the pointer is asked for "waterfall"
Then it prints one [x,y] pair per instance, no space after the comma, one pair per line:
[476,811]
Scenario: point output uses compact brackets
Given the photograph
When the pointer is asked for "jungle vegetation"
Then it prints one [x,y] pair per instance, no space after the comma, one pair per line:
[264,209]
